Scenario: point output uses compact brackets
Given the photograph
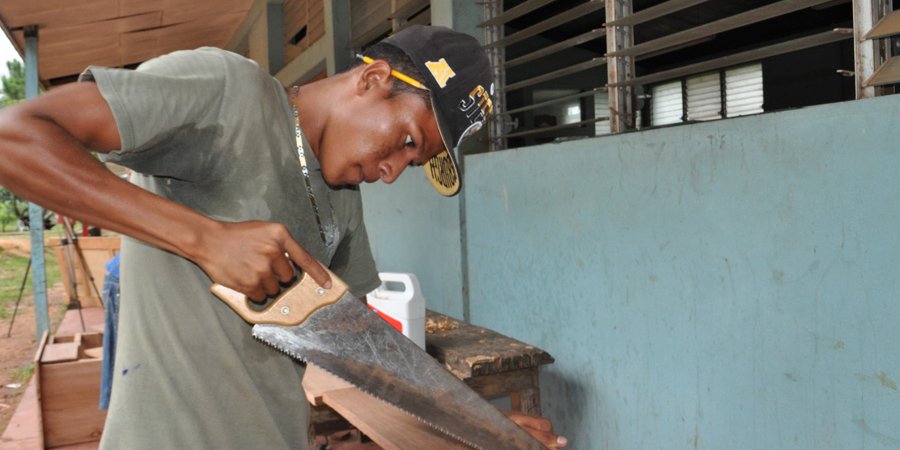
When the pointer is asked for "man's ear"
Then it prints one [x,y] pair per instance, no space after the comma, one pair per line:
[377,76]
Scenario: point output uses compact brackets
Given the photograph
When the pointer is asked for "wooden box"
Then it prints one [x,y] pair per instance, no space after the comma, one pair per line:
[67,374]
[97,251]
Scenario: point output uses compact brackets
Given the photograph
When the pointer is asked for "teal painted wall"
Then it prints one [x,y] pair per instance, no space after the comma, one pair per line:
[725,285]
[413,229]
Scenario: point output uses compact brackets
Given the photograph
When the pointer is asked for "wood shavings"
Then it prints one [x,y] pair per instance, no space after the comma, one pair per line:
[442,324]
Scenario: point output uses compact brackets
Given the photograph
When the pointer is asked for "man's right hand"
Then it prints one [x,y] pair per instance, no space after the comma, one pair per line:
[255,258]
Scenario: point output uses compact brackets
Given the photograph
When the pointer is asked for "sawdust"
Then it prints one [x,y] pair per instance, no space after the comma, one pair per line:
[443,324]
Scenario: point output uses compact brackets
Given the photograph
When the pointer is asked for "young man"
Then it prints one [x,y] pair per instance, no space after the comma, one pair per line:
[235,181]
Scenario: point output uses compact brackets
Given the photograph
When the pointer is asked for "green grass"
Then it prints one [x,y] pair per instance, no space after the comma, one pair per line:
[12,269]
[22,374]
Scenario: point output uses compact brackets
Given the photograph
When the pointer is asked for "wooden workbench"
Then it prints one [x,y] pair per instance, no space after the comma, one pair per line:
[492,364]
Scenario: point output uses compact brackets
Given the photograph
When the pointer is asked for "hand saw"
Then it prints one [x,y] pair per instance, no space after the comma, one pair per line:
[333,330]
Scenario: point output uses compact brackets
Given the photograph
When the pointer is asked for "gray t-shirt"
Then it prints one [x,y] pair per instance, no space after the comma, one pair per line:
[208,129]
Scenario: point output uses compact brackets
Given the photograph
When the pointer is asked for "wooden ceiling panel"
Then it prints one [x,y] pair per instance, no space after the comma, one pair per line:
[52,13]
[73,34]
[107,28]
[62,65]
[131,7]
[188,12]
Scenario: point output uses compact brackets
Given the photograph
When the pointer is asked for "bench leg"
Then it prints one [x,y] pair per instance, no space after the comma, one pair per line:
[528,400]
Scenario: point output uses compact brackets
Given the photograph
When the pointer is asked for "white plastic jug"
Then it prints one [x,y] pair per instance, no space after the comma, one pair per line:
[403,308]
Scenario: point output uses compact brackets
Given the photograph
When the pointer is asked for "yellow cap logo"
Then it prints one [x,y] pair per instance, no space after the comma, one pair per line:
[441,71]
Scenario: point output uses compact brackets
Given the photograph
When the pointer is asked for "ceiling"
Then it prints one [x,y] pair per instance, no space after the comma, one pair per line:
[73,34]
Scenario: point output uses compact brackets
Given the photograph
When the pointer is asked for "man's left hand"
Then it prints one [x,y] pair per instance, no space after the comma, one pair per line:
[539,428]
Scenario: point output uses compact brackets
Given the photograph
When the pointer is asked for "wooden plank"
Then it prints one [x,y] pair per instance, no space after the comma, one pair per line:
[61,352]
[198,12]
[237,42]
[67,60]
[181,36]
[654,12]
[366,14]
[72,35]
[317,381]
[131,7]
[69,396]
[729,23]
[52,13]
[68,393]
[405,10]
[888,73]
[316,25]
[499,385]
[294,21]
[468,351]
[889,25]
[390,427]
[364,33]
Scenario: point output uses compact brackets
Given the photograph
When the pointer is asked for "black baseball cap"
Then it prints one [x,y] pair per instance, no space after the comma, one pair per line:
[457,73]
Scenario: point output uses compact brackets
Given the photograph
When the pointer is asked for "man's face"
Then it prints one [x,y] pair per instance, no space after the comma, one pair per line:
[375,137]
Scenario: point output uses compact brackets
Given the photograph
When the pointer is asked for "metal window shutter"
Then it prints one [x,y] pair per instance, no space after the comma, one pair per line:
[744,91]
[666,104]
[704,97]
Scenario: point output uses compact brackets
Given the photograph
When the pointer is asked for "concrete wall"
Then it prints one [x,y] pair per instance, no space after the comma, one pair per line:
[726,285]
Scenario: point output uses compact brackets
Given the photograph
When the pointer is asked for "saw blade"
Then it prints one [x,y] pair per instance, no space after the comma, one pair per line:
[349,341]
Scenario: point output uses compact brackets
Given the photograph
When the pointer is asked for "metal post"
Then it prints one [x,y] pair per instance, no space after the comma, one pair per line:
[35,212]
[619,68]
[864,55]
[493,33]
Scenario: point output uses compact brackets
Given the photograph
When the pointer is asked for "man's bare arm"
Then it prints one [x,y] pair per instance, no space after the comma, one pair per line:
[44,149]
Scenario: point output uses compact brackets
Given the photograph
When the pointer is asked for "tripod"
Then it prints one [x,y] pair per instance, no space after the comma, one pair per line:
[19,299]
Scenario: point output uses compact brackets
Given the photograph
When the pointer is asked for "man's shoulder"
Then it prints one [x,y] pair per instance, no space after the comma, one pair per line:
[202,59]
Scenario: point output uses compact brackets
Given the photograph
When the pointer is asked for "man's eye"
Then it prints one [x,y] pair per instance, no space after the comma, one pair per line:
[409,141]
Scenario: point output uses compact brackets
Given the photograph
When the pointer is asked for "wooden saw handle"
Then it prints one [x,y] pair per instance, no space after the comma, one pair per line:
[291,307]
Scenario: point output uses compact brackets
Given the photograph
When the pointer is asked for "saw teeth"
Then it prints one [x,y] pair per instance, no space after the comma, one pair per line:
[420,419]
[283,350]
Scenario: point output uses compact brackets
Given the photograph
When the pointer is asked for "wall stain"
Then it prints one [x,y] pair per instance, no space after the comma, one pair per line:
[778,275]
[882,378]
[505,199]
[838,345]
[883,438]
[886,381]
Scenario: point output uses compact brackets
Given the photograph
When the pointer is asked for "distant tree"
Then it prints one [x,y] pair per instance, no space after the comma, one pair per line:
[7,211]
[13,84]
[12,208]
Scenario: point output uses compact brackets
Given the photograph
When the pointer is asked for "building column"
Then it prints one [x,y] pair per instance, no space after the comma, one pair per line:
[35,212]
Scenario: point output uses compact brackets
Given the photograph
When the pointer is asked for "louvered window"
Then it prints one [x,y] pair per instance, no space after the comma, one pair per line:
[668,104]
[703,96]
[744,90]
